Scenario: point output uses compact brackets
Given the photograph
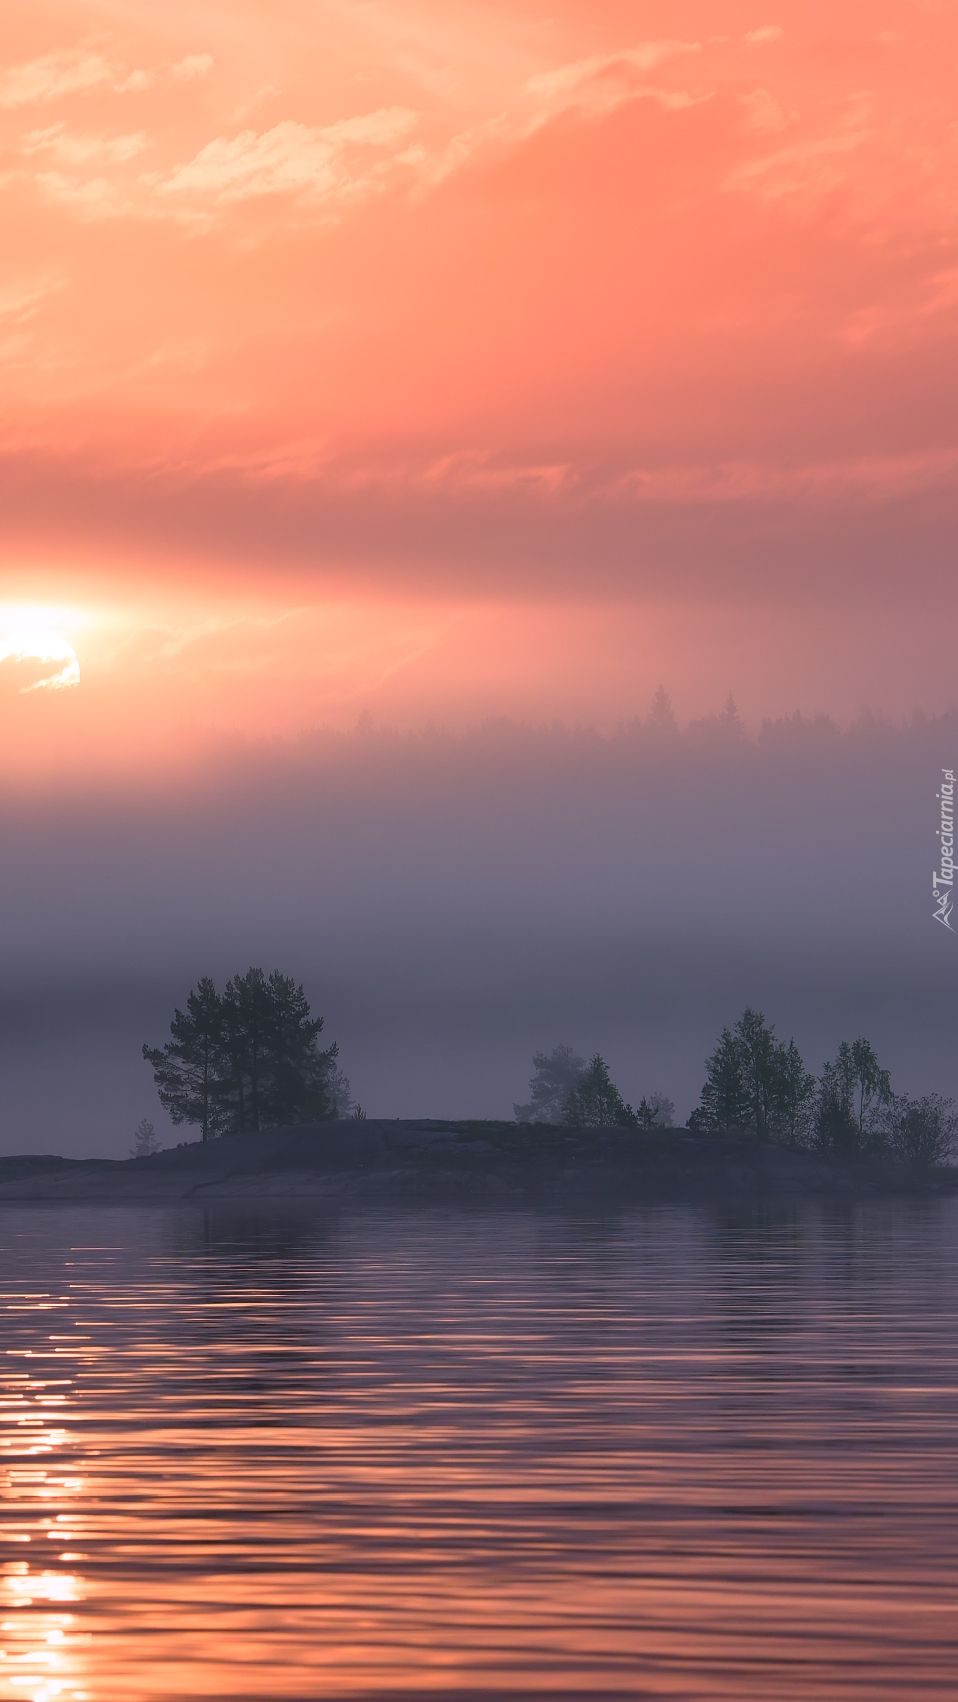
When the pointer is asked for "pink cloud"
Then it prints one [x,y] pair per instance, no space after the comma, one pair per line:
[478,304]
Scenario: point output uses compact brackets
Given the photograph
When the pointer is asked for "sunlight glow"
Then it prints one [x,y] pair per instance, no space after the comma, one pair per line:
[40,644]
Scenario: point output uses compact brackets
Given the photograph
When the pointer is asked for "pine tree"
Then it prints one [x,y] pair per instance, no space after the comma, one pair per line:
[277,1074]
[836,1128]
[729,719]
[661,715]
[756,1082]
[145,1142]
[244,1061]
[595,1101]
[188,1070]
[340,1093]
[725,1096]
[795,1098]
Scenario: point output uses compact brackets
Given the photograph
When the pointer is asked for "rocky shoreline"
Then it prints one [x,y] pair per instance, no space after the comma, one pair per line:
[387,1161]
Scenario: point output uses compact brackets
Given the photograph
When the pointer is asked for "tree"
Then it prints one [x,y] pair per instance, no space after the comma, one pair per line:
[836,1129]
[275,1072]
[661,715]
[341,1098]
[852,1094]
[794,1098]
[557,1072]
[755,1082]
[725,1099]
[595,1101]
[188,1070]
[145,1142]
[244,1061]
[340,1094]
[872,1085]
[921,1133]
[246,1026]
[655,1112]
[729,719]
[761,1068]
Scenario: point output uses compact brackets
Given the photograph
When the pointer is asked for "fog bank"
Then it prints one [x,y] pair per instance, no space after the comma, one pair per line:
[454,902]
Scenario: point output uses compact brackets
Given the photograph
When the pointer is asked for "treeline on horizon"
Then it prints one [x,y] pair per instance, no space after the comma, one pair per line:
[248,1060]
[656,733]
[508,749]
[503,751]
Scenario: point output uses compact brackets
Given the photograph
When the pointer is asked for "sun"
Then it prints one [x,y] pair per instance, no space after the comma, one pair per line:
[40,644]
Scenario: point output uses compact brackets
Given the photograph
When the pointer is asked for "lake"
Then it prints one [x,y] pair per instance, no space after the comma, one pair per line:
[685,1452]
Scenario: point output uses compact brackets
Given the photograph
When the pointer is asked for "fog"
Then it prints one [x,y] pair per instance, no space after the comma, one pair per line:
[454,902]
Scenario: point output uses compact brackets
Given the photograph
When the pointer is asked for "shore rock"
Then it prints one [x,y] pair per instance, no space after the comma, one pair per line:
[387,1161]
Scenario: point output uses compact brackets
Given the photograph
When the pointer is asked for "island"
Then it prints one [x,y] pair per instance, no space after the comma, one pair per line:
[387,1161]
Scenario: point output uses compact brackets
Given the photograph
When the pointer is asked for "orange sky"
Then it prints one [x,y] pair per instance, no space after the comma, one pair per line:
[443,360]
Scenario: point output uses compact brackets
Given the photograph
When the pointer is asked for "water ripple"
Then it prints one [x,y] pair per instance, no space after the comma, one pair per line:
[678,1453]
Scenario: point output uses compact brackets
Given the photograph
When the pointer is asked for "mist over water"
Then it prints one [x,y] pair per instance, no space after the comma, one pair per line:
[684,1452]
[454,902]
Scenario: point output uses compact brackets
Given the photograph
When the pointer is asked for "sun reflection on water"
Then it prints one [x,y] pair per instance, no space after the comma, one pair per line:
[42,1654]
[660,1456]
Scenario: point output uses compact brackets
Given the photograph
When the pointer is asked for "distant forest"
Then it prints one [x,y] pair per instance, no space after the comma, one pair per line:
[656,733]
[658,737]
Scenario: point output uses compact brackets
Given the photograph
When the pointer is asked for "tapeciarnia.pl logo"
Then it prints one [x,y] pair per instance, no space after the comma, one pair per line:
[946,833]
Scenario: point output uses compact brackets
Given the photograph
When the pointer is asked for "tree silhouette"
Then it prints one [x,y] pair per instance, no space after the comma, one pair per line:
[921,1133]
[245,1060]
[661,715]
[145,1141]
[655,1112]
[756,1082]
[189,1069]
[852,1094]
[725,1098]
[729,719]
[557,1073]
[595,1101]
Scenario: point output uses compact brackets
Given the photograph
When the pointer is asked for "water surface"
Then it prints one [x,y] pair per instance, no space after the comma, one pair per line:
[680,1453]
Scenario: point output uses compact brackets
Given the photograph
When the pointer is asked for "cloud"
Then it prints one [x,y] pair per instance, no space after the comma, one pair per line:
[813,167]
[78,150]
[642,58]
[291,158]
[20,302]
[133,82]
[767,33]
[194,65]
[591,88]
[763,111]
[344,161]
[55,75]
[93,198]
[75,70]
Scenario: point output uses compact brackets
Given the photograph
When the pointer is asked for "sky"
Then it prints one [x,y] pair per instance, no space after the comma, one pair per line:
[414,365]
[442,361]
